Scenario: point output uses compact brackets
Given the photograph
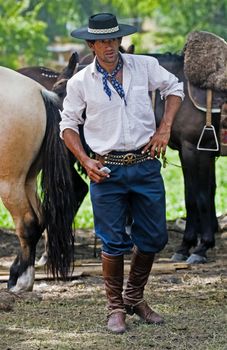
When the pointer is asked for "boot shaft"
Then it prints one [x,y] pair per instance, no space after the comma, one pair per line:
[141,264]
[113,274]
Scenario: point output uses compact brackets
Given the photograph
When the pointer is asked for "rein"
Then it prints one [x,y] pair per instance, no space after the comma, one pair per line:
[165,162]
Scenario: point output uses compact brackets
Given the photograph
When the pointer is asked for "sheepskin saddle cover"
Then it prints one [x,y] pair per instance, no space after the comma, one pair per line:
[205,60]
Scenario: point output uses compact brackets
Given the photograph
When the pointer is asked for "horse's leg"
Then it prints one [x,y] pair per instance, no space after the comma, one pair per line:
[214,220]
[206,208]
[28,231]
[189,167]
[34,200]
[43,260]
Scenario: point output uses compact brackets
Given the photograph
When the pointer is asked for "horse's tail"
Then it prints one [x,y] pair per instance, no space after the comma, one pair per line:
[58,192]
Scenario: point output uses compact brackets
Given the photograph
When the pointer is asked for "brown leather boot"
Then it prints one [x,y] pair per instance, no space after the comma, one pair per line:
[113,274]
[141,265]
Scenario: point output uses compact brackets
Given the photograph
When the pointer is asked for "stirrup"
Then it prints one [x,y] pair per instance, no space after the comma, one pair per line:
[212,129]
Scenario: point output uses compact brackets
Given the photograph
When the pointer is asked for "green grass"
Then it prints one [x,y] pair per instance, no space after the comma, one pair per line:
[174,184]
[173,179]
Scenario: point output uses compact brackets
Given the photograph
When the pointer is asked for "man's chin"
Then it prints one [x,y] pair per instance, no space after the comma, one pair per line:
[111,58]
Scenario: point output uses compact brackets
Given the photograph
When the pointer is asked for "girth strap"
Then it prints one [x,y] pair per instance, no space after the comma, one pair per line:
[209,106]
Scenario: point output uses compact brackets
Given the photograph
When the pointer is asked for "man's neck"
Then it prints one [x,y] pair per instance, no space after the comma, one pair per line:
[109,67]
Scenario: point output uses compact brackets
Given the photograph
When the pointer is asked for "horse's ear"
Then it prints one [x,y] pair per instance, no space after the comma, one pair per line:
[131,49]
[121,49]
[74,59]
[68,71]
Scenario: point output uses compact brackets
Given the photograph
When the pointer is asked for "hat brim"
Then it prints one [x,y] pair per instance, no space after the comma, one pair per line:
[124,30]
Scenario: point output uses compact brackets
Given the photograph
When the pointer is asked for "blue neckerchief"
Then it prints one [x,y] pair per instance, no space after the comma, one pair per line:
[105,75]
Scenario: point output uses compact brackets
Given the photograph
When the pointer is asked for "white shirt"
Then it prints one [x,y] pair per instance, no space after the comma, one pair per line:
[110,124]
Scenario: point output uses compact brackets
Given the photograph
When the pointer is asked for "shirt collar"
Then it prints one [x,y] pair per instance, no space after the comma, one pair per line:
[126,60]
[93,68]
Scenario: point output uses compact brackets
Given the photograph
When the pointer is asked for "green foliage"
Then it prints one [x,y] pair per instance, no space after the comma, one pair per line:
[22,36]
[132,8]
[175,19]
[26,26]
[5,219]
[84,217]
[72,14]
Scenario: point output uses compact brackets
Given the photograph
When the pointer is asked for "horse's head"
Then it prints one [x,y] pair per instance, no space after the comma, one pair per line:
[60,89]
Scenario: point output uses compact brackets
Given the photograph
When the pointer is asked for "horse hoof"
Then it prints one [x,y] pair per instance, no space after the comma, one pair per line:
[180,225]
[196,259]
[178,257]
[42,261]
[224,235]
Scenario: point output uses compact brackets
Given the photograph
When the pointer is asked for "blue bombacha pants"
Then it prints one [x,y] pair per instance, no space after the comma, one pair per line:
[137,189]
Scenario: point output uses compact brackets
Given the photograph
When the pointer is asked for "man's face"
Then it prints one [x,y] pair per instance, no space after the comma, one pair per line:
[106,50]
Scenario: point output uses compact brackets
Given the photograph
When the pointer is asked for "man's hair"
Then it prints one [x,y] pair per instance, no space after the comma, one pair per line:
[90,41]
[93,41]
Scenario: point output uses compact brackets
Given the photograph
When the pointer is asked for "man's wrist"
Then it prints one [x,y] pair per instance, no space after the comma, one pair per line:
[83,159]
[166,123]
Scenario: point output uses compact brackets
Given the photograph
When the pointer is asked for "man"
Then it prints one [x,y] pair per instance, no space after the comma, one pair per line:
[120,129]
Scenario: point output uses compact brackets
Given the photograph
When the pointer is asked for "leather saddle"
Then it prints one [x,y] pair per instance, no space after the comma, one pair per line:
[198,97]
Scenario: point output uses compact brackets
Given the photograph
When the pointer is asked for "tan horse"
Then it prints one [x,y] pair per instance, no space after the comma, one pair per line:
[29,141]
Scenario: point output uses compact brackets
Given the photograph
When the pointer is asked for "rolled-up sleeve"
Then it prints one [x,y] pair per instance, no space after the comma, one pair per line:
[161,79]
[73,107]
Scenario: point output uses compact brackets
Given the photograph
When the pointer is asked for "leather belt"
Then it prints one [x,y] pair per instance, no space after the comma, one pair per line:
[129,158]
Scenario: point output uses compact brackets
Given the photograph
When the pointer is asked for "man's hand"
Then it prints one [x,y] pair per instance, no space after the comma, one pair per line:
[159,141]
[92,168]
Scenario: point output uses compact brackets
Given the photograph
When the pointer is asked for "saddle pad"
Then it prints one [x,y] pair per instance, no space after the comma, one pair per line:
[205,60]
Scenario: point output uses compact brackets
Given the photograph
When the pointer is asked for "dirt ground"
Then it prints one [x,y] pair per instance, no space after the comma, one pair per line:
[72,315]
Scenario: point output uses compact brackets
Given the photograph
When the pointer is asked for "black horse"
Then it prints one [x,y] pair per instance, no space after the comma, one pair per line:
[198,168]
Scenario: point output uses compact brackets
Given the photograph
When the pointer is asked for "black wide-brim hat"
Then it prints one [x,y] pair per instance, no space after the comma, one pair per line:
[103,26]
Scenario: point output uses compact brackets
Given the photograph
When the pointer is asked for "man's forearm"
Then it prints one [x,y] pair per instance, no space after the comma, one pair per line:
[73,143]
[160,139]
[172,105]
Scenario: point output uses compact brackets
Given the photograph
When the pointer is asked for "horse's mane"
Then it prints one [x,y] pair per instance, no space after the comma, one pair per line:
[171,57]
[173,62]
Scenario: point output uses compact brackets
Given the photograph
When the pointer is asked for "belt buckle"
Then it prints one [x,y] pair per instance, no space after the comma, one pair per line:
[129,158]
